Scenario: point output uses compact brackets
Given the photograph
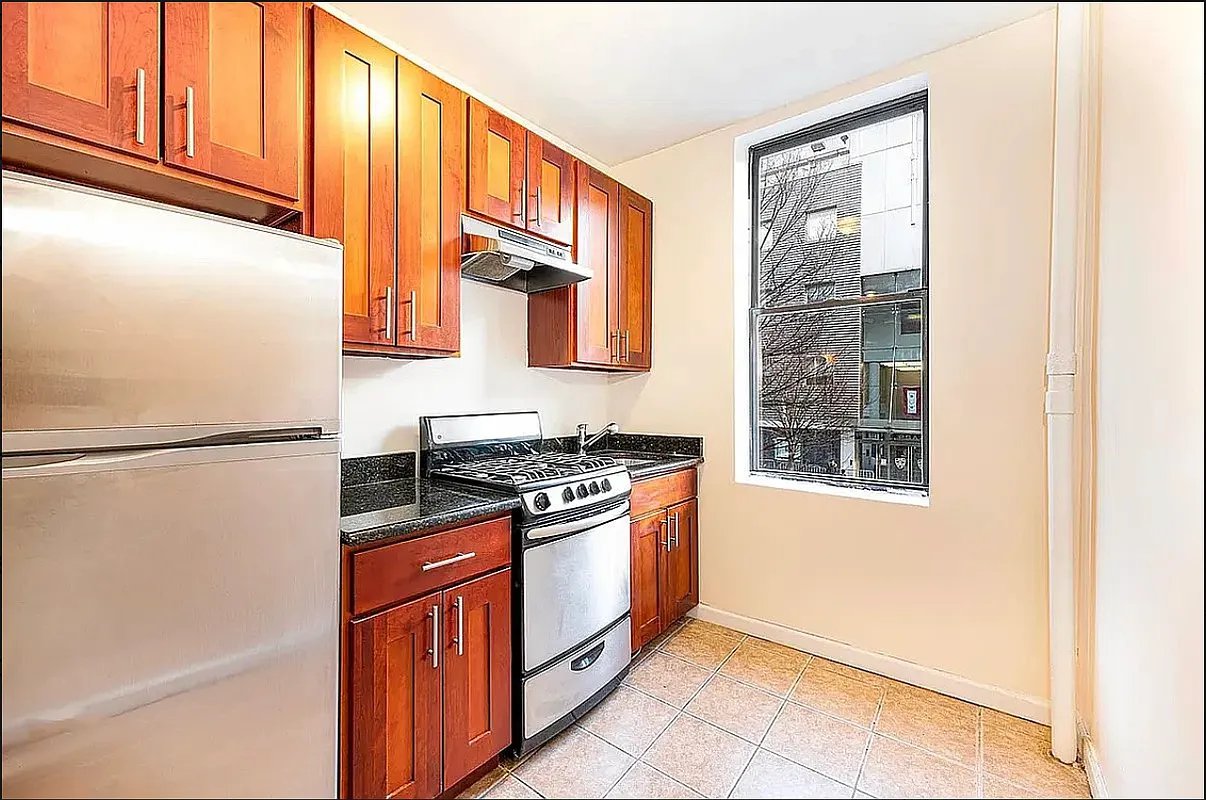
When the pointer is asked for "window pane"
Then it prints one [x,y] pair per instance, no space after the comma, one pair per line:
[843,209]
[840,392]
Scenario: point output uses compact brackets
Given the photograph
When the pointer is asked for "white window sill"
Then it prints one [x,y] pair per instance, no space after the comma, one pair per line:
[904,497]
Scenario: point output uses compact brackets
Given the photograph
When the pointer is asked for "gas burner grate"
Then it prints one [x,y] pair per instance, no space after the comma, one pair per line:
[520,470]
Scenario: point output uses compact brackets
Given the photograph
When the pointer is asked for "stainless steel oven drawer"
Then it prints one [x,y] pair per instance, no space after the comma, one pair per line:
[558,690]
[573,588]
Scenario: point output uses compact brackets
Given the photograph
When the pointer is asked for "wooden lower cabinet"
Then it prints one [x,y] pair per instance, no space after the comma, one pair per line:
[477,674]
[395,702]
[427,693]
[665,554]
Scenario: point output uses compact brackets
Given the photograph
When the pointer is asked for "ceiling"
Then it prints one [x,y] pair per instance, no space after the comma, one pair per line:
[619,80]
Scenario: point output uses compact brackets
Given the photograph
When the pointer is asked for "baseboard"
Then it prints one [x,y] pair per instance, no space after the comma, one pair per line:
[1019,705]
[1088,754]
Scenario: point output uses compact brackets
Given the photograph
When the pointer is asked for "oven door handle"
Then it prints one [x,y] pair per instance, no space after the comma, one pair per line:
[576,525]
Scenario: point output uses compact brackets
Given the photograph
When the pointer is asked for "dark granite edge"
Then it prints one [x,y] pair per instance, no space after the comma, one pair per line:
[411,528]
[663,466]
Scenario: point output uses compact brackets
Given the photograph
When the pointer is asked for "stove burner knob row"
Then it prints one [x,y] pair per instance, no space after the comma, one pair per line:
[594,487]
[582,491]
[568,495]
[541,501]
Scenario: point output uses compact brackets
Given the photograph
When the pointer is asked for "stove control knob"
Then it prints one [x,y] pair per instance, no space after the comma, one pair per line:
[582,490]
[541,501]
[606,485]
[594,487]
[568,495]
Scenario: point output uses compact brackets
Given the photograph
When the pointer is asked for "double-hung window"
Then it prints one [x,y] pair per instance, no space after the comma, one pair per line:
[839,299]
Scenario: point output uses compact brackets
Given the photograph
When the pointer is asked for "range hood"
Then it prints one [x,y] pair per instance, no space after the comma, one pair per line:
[514,260]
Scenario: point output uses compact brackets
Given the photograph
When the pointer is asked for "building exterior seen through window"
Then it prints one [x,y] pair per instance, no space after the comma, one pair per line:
[839,301]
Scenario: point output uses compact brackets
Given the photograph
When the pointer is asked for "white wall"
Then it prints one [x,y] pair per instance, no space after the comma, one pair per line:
[383,398]
[959,586]
[1147,672]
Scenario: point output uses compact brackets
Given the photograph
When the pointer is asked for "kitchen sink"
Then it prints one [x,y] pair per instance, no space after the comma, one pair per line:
[629,461]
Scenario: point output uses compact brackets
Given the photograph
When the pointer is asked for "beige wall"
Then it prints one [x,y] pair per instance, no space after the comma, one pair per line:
[383,398]
[959,586]
[1146,712]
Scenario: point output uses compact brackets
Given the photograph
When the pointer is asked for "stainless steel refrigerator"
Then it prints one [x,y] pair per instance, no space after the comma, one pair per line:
[170,501]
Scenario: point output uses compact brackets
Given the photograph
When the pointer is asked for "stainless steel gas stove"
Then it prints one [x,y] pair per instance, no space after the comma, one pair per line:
[572,640]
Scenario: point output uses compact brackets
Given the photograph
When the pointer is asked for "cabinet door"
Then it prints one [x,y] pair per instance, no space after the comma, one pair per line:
[598,237]
[354,152]
[496,159]
[634,289]
[431,191]
[477,673]
[232,92]
[85,70]
[681,586]
[551,181]
[649,539]
[395,701]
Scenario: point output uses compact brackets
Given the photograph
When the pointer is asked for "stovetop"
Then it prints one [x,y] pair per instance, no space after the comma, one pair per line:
[518,472]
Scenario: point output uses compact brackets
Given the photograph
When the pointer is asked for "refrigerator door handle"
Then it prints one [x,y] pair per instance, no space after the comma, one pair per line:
[74,463]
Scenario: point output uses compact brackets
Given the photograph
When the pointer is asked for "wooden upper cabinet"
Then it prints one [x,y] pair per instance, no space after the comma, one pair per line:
[395,701]
[354,176]
[477,674]
[497,147]
[597,240]
[682,560]
[89,71]
[232,92]
[634,287]
[552,178]
[431,192]
[648,562]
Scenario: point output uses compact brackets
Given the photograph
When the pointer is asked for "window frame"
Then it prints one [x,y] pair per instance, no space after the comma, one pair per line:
[908,98]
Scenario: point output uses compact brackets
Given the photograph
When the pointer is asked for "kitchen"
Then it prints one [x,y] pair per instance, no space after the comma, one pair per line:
[364,437]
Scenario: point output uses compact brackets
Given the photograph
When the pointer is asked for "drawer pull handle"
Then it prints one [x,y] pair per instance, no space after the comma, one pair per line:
[587,659]
[430,565]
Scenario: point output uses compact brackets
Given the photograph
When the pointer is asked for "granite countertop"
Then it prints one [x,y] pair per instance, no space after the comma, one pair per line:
[383,498]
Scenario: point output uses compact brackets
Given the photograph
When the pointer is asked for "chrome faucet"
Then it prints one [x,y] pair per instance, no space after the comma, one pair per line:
[584,442]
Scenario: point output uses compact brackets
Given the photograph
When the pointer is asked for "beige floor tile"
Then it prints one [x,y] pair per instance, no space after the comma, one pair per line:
[830,746]
[508,787]
[702,645]
[774,670]
[713,629]
[851,672]
[838,695]
[775,647]
[863,795]
[998,788]
[668,679]
[642,781]
[895,769]
[700,756]
[737,708]
[575,764]
[629,719]
[1022,727]
[932,721]
[769,775]
[484,784]
[660,639]
[1014,753]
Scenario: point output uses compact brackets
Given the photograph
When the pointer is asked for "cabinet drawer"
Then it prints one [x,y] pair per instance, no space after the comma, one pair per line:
[395,572]
[662,491]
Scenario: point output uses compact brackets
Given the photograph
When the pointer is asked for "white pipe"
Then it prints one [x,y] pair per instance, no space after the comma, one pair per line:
[1061,372]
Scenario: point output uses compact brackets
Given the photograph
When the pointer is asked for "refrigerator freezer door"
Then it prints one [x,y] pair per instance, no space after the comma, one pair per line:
[170,622]
[128,323]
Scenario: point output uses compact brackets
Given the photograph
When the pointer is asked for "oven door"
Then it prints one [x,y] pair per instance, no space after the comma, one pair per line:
[574,587]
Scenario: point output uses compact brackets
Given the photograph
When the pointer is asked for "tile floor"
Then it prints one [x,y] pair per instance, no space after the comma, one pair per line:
[707,711]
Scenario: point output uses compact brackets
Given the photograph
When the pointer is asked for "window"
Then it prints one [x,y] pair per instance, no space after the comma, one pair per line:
[839,301]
